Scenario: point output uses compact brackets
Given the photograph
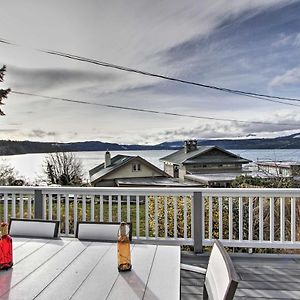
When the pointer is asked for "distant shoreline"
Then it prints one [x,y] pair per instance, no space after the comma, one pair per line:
[8,147]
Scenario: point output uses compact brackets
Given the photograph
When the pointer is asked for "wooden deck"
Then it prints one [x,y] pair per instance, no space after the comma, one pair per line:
[261,276]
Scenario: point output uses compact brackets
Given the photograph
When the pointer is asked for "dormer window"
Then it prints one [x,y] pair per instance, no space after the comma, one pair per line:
[136,167]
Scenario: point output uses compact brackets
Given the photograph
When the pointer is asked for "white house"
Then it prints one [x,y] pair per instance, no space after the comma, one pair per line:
[209,165]
[125,170]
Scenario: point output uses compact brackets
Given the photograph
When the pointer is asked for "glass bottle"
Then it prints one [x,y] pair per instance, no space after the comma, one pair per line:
[6,252]
[124,256]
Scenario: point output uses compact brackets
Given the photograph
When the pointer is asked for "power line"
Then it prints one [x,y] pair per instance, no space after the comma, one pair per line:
[236,92]
[271,100]
[3,41]
[265,97]
[150,110]
[122,68]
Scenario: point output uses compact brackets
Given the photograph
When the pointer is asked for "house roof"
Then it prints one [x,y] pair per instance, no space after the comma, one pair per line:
[281,164]
[192,157]
[153,181]
[116,163]
[208,178]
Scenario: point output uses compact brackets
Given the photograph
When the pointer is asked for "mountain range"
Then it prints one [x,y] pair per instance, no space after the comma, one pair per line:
[9,147]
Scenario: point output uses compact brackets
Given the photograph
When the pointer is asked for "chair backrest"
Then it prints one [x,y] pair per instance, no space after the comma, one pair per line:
[221,279]
[33,228]
[100,231]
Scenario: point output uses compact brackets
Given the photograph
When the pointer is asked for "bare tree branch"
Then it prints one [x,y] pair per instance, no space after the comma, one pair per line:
[63,168]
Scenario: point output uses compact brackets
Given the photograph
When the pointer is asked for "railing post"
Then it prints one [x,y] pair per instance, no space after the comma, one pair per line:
[38,204]
[197,216]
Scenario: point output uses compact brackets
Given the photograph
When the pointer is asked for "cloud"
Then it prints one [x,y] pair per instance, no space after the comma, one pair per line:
[232,129]
[221,42]
[283,40]
[50,79]
[290,77]
[15,124]
[287,40]
[38,133]
[8,130]
[297,40]
[237,53]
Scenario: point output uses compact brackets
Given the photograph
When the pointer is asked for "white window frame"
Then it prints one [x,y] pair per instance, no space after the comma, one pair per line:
[136,167]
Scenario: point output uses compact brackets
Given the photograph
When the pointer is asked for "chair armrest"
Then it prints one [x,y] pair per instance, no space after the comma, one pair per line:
[192,268]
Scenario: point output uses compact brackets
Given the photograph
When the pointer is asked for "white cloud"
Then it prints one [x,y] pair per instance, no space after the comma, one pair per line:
[297,40]
[283,40]
[220,129]
[123,32]
[287,40]
[131,33]
[288,78]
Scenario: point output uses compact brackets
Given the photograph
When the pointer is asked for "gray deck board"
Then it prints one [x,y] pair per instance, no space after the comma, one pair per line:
[261,277]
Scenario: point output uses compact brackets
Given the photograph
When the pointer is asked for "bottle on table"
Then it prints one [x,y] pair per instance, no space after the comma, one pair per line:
[124,256]
[6,252]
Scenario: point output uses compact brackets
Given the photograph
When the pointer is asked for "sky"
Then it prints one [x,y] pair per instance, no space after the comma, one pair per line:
[250,45]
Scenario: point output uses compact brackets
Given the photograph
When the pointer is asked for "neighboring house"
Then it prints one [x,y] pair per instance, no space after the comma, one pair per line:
[124,170]
[279,168]
[209,165]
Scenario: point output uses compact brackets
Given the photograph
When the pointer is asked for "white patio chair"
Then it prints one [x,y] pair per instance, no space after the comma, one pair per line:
[221,279]
[33,228]
[100,231]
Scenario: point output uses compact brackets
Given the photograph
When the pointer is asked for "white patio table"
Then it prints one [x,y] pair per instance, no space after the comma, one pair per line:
[71,269]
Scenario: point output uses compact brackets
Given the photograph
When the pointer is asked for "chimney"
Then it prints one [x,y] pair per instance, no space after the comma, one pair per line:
[190,145]
[107,162]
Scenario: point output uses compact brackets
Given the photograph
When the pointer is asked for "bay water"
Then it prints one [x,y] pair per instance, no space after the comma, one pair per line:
[30,166]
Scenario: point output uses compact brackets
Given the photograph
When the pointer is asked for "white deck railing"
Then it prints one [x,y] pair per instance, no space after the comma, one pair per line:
[254,218]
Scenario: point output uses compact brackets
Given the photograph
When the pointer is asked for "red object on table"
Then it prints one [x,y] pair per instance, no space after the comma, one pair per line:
[6,252]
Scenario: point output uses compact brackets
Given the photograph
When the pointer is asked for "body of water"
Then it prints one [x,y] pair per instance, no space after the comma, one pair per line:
[30,166]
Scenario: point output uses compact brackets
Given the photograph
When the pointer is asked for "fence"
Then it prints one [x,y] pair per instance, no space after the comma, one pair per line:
[255,218]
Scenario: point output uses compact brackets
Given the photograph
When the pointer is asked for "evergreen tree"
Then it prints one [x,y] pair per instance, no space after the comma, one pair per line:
[3,92]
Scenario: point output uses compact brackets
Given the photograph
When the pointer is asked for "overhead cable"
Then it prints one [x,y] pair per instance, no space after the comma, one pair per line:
[122,68]
[265,97]
[151,111]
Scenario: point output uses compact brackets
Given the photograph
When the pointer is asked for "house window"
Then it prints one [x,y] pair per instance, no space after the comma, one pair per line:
[230,165]
[136,167]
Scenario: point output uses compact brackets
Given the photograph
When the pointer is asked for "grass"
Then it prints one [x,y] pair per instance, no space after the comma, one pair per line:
[105,213]
[97,212]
